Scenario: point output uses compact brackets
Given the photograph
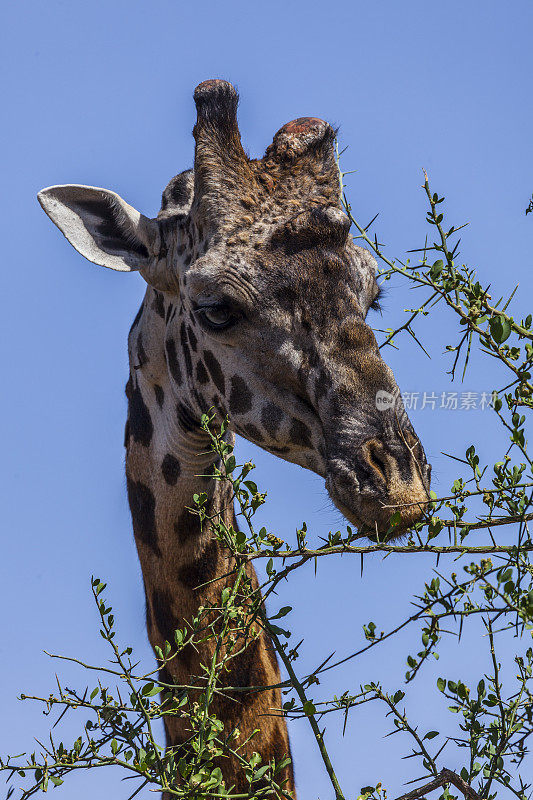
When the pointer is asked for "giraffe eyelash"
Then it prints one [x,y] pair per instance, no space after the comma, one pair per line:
[375,305]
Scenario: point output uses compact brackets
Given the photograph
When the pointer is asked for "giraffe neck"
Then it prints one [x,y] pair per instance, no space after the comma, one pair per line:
[168,460]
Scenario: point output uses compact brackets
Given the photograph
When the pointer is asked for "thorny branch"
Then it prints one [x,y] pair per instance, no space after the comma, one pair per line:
[494,719]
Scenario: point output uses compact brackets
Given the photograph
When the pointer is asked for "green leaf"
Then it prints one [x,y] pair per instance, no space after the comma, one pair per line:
[152,692]
[441,684]
[282,612]
[309,708]
[430,735]
[436,269]
[230,464]
[258,774]
[500,328]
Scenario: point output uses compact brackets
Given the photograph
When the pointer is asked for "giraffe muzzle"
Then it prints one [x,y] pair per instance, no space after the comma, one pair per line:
[384,490]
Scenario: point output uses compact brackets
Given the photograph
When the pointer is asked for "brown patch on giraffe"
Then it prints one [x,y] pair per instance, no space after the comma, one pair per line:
[142,507]
[185,349]
[159,395]
[140,421]
[300,434]
[253,432]
[240,399]
[126,433]
[203,569]
[173,363]
[171,469]
[187,526]
[215,371]
[147,611]
[271,416]
[159,304]
[166,677]
[162,615]
[201,373]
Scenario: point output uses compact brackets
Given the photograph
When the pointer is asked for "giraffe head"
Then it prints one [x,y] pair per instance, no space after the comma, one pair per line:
[260,298]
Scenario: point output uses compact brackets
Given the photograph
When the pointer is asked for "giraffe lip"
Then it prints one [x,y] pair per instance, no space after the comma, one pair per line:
[346,512]
[366,512]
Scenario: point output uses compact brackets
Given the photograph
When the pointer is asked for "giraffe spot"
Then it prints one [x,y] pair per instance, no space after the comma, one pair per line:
[203,405]
[165,676]
[192,338]
[147,610]
[271,416]
[126,433]
[140,426]
[246,669]
[240,399]
[201,373]
[159,304]
[215,371]
[185,349]
[164,619]
[142,358]
[159,395]
[252,432]
[171,469]
[203,569]
[187,526]
[142,507]
[299,433]
[175,369]
[187,260]
[186,418]
[187,656]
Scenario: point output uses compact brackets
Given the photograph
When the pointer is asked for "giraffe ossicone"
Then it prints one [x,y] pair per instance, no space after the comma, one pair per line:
[255,307]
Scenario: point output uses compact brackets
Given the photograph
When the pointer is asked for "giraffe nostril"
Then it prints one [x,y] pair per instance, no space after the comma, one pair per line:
[374,455]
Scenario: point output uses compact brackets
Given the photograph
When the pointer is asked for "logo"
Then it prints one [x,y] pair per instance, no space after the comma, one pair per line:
[384,400]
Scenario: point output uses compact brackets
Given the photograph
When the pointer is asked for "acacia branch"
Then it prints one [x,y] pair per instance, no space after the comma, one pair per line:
[445,776]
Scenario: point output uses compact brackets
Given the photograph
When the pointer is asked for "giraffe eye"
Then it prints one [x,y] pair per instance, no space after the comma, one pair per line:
[217,317]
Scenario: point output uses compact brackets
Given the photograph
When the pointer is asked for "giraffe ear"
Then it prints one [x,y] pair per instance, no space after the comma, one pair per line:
[101,226]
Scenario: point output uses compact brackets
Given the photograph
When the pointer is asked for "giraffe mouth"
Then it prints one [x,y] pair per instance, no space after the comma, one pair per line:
[371,512]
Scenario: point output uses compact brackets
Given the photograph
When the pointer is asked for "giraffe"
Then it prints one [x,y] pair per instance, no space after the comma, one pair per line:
[255,308]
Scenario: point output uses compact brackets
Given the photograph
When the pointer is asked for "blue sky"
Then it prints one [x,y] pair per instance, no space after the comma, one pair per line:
[101,93]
